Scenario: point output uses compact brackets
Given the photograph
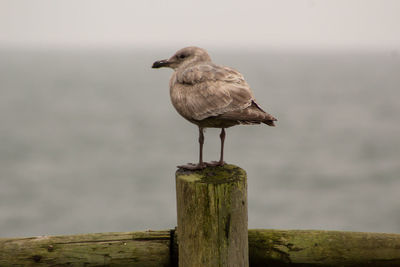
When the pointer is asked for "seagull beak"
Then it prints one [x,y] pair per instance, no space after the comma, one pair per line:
[160,64]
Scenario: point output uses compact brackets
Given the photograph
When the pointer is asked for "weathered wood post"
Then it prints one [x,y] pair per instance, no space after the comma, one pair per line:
[212,217]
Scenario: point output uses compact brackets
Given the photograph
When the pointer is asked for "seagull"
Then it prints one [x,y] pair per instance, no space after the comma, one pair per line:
[210,96]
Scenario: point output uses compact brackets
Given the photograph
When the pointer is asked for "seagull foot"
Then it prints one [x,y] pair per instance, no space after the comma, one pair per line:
[215,163]
[192,166]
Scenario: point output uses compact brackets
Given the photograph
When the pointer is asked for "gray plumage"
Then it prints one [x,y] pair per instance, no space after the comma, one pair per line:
[210,95]
[203,92]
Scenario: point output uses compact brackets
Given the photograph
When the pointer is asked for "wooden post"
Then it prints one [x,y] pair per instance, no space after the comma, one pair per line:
[212,217]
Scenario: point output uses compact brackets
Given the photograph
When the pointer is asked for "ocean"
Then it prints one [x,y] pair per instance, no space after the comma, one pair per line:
[89,141]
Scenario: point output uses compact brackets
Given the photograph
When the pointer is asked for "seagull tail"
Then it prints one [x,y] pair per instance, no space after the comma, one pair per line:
[268,118]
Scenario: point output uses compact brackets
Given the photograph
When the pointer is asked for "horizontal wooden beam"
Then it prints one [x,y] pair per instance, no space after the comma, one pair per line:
[323,248]
[151,248]
[158,248]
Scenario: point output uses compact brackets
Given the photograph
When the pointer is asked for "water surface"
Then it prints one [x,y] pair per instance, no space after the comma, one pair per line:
[89,141]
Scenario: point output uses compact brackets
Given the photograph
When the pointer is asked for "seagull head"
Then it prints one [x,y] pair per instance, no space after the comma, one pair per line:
[184,57]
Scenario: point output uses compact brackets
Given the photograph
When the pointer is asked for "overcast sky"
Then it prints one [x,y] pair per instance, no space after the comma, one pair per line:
[280,23]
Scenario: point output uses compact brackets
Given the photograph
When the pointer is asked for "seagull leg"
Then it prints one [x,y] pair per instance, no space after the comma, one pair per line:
[222,136]
[201,142]
[201,164]
[221,161]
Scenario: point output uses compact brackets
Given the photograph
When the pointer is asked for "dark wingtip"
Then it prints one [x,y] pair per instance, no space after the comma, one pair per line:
[270,122]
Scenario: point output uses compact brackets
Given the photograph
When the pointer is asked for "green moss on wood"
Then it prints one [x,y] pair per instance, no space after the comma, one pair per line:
[323,248]
[152,248]
[213,175]
[103,249]
[212,216]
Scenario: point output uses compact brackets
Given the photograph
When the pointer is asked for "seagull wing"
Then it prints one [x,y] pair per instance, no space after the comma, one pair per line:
[207,90]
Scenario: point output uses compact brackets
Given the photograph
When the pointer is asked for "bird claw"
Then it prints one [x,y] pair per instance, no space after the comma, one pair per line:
[215,163]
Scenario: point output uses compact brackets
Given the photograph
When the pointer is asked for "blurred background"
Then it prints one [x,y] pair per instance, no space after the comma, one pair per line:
[89,141]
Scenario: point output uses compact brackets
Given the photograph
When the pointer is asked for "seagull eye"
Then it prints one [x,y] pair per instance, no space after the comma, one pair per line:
[182,56]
